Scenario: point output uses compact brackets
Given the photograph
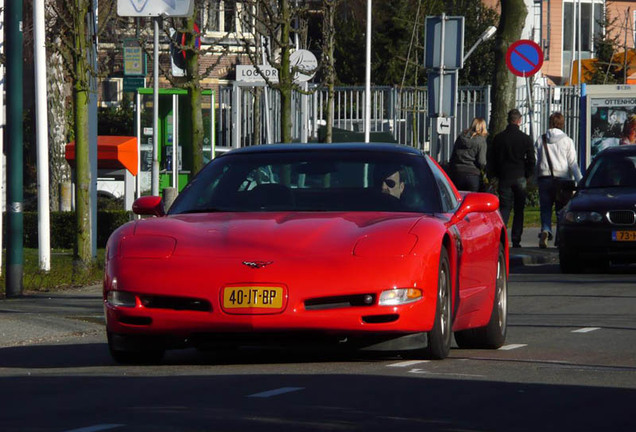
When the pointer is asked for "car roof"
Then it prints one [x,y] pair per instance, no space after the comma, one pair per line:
[627,149]
[353,146]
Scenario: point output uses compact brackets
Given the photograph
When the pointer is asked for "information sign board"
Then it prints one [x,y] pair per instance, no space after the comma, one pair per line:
[155,8]
[451,39]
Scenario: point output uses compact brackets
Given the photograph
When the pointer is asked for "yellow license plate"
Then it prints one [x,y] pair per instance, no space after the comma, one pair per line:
[624,235]
[253,297]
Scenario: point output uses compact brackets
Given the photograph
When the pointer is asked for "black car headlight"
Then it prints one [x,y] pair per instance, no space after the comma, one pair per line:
[583,216]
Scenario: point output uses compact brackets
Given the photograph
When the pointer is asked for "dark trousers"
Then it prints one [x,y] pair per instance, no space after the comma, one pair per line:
[512,197]
[467,182]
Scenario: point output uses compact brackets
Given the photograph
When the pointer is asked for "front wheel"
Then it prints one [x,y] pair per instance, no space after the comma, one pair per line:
[569,262]
[439,338]
[134,350]
[493,335]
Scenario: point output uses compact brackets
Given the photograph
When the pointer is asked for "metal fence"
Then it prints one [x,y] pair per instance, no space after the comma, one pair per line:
[251,115]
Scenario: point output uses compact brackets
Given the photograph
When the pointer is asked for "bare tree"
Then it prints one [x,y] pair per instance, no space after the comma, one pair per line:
[273,20]
[73,23]
[328,61]
[513,16]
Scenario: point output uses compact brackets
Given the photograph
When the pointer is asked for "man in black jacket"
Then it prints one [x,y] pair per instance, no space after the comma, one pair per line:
[513,164]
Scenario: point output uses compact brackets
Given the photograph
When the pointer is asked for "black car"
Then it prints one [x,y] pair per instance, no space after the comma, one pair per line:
[598,226]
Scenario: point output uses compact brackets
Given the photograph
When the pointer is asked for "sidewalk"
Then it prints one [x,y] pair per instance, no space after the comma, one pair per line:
[51,317]
[529,253]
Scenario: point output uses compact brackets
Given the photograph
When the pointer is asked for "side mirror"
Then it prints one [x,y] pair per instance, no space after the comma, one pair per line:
[148,205]
[475,202]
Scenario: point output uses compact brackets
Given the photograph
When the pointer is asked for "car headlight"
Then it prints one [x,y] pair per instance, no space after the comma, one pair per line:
[399,296]
[121,298]
[583,216]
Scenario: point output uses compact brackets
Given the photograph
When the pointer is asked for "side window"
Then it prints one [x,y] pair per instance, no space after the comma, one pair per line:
[449,201]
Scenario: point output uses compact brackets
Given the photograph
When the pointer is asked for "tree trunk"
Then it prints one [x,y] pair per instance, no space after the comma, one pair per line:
[328,60]
[83,251]
[285,75]
[60,172]
[513,15]
[195,96]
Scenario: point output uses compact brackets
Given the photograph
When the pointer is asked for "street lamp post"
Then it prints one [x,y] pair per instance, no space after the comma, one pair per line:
[490,32]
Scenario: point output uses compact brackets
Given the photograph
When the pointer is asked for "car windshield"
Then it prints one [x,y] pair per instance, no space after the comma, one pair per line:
[612,171]
[309,180]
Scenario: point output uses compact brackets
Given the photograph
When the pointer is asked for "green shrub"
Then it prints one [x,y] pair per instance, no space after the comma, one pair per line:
[63,227]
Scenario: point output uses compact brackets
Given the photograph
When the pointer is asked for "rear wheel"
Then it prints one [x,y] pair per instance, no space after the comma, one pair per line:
[493,335]
[128,350]
[439,338]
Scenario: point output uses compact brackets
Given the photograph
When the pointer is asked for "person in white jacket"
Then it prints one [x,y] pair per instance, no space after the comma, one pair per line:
[564,164]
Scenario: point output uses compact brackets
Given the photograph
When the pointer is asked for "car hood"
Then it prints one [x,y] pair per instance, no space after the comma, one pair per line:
[604,199]
[230,235]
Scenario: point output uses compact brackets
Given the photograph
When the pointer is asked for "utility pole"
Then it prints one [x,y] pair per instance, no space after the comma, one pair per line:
[15,218]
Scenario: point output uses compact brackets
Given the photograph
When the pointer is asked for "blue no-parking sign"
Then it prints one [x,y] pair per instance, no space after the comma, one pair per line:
[524,58]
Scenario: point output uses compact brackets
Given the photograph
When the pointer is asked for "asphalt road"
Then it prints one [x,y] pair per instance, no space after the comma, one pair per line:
[569,364]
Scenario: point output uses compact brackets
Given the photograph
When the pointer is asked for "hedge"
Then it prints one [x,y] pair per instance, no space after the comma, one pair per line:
[63,227]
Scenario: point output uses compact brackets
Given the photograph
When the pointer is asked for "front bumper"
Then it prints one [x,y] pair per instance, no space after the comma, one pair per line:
[595,242]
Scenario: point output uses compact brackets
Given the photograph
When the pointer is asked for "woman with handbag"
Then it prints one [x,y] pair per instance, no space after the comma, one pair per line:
[468,159]
[556,166]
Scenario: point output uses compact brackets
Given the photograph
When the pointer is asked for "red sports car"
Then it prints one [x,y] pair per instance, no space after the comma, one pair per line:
[362,245]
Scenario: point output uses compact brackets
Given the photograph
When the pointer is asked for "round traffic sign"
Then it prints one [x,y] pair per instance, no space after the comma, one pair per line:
[524,58]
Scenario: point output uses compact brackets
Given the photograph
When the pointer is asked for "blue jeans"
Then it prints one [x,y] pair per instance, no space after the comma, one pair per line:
[512,197]
[547,199]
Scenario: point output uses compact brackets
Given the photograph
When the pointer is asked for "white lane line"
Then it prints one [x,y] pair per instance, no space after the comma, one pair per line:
[408,363]
[96,428]
[586,330]
[276,392]
[422,371]
[512,346]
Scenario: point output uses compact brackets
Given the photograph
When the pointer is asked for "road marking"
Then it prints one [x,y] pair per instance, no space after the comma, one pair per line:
[276,392]
[512,346]
[586,330]
[408,363]
[422,371]
[96,428]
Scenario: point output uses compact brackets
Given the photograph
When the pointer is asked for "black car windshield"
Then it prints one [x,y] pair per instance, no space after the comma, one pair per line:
[612,171]
[312,180]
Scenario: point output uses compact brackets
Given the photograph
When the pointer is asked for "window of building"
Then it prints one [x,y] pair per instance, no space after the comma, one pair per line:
[590,23]
[223,16]
[587,26]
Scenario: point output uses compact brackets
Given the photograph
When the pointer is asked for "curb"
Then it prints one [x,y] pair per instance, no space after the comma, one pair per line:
[526,259]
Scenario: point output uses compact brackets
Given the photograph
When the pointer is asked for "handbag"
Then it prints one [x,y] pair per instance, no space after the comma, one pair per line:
[564,188]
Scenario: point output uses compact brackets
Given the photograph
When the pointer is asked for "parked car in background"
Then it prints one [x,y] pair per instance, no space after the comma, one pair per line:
[598,227]
[355,245]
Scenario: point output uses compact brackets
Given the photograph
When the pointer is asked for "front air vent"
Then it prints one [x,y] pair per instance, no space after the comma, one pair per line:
[621,217]
[134,320]
[380,319]
[176,303]
[337,302]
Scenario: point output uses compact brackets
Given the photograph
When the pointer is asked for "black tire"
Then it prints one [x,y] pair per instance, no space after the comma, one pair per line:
[141,354]
[493,335]
[440,336]
[569,262]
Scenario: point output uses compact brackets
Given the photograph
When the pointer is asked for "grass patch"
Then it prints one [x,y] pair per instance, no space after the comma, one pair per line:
[64,273]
